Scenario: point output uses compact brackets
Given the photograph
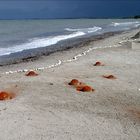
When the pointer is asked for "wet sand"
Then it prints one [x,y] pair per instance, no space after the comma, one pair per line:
[37,53]
[47,107]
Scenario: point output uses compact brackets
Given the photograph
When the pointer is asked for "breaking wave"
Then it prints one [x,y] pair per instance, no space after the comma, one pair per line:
[39,42]
[128,24]
[86,30]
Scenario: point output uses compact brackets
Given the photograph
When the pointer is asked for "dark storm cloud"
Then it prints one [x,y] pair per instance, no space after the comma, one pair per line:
[12,9]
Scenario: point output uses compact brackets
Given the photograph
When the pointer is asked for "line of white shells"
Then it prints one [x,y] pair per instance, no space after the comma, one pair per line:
[65,61]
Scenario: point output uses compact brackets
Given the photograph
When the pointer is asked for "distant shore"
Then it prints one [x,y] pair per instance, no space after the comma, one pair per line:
[125,17]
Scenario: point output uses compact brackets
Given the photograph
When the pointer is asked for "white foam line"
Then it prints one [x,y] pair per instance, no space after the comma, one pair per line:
[59,63]
[42,68]
[75,58]
[84,53]
[90,49]
[69,60]
[25,70]
[51,66]
[79,55]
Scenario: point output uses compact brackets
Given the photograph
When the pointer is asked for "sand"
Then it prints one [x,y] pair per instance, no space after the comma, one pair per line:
[46,107]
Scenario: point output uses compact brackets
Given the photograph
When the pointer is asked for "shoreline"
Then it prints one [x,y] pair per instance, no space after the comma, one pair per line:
[82,46]
[37,53]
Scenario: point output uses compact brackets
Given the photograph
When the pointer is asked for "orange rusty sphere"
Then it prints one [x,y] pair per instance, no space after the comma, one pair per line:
[79,87]
[85,88]
[5,95]
[98,63]
[74,82]
[31,73]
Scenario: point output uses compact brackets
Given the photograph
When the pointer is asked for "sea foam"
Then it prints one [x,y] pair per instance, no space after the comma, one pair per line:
[86,30]
[135,24]
[39,42]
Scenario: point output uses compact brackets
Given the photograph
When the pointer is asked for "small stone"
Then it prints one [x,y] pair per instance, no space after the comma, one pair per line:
[109,76]
[50,83]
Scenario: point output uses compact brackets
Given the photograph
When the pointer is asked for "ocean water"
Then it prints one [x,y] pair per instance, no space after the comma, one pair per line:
[19,35]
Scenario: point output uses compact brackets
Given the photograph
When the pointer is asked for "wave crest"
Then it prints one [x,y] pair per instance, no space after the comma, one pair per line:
[39,42]
[86,30]
[135,24]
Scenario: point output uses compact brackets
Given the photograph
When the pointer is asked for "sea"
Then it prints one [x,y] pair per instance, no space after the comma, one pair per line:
[17,36]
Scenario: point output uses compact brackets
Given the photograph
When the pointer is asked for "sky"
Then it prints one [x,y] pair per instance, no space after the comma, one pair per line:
[46,9]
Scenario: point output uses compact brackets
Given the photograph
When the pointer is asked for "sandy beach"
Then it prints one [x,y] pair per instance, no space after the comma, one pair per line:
[46,107]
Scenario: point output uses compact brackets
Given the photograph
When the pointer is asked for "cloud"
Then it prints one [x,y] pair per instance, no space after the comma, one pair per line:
[67,8]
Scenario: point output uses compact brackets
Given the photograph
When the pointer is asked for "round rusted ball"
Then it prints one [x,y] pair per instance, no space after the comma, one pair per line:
[85,89]
[98,63]
[74,82]
[79,87]
[31,73]
[5,96]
